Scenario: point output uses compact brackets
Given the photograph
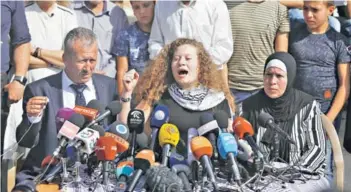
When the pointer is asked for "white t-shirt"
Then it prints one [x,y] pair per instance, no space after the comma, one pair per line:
[48,31]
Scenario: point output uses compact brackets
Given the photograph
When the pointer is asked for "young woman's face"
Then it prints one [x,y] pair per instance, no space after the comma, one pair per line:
[185,66]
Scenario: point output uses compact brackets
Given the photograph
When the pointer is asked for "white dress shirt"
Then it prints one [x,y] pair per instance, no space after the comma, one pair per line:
[69,95]
[206,21]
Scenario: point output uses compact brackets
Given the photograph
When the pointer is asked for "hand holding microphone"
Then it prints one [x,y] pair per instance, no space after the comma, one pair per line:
[35,105]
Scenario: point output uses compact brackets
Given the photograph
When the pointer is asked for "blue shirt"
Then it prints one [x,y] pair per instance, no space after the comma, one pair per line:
[14,30]
[106,26]
[133,43]
[317,57]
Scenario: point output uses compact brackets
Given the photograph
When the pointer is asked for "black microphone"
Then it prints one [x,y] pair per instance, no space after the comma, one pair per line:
[209,129]
[222,119]
[135,122]
[96,104]
[140,167]
[266,120]
[112,109]
[161,179]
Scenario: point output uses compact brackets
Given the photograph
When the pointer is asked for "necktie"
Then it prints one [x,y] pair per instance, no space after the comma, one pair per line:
[80,99]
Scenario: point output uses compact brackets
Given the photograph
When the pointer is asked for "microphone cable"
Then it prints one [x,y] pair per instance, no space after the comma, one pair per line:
[15,145]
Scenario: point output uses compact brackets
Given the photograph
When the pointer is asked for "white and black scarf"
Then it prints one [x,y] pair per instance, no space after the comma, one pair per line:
[198,99]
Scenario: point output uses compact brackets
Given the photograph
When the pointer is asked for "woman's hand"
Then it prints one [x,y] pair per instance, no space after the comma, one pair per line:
[130,80]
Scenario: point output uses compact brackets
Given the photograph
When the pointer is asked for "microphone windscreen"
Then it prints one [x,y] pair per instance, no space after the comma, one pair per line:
[122,145]
[146,154]
[47,160]
[226,143]
[115,107]
[264,118]
[201,146]
[62,115]
[135,120]
[159,116]
[77,119]
[161,178]
[205,118]
[106,149]
[241,127]
[142,164]
[142,140]
[222,119]
[99,129]
[119,129]
[168,134]
[95,104]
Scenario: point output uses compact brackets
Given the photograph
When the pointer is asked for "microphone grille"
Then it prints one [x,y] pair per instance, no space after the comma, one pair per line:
[264,118]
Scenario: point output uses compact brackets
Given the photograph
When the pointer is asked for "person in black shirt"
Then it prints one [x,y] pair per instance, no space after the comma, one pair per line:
[184,78]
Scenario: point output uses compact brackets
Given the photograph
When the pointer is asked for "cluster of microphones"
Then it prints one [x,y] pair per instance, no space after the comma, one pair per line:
[123,158]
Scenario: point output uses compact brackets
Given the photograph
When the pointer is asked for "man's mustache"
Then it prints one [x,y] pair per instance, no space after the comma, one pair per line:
[83,72]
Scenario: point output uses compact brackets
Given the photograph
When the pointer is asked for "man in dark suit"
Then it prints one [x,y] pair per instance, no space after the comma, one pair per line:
[75,85]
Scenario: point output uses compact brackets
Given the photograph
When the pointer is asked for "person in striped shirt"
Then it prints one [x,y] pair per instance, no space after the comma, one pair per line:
[296,113]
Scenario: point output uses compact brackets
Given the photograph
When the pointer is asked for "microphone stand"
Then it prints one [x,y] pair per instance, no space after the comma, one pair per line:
[276,146]
[77,164]
[64,168]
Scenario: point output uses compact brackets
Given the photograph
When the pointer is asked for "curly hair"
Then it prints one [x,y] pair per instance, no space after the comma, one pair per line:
[158,74]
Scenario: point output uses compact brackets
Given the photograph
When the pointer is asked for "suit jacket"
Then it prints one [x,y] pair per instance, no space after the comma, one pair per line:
[51,87]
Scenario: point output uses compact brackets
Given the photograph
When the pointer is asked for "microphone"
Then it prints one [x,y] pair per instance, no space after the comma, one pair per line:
[222,119]
[120,129]
[123,171]
[168,138]
[122,145]
[135,122]
[243,130]
[68,130]
[47,160]
[120,132]
[228,149]
[141,165]
[59,166]
[89,113]
[203,150]
[62,115]
[146,154]
[112,109]
[142,140]
[176,159]
[86,139]
[162,179]
[106,151]
[192,132]
[159,117]
[183,171]
[96,104]
[209,129]
[266,120]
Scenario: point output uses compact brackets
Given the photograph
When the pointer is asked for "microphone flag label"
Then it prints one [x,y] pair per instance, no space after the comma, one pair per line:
[69,130]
